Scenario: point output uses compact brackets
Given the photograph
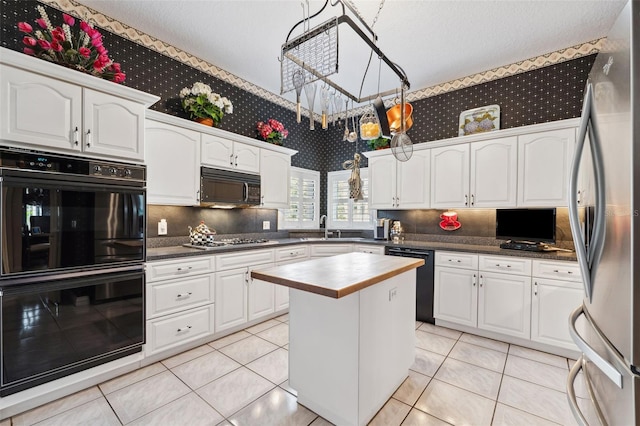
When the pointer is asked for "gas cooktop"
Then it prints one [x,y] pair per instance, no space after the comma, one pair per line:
[228,242]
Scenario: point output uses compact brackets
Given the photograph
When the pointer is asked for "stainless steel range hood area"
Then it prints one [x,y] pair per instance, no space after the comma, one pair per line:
[228,189]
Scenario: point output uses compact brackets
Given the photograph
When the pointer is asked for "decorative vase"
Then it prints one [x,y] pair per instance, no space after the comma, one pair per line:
[207,121]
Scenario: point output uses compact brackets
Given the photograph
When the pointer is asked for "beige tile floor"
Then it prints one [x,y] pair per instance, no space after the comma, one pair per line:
[242,379]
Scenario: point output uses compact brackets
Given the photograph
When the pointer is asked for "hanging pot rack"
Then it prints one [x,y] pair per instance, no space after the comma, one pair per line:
[316,52]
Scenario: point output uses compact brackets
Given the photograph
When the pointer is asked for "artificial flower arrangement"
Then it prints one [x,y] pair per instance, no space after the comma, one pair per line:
[202,103]
[81,50]
[272,131]
[379,143]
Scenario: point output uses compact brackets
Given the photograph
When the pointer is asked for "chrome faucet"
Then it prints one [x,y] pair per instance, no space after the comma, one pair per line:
[339,233]
[323,221]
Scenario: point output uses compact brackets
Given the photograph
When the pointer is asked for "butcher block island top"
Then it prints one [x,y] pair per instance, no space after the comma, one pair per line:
[338,276]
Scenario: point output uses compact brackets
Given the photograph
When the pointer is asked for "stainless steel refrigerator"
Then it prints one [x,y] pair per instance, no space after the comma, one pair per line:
[606,327]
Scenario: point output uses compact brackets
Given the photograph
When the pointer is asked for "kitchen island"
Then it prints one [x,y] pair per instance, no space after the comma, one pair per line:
[351,331]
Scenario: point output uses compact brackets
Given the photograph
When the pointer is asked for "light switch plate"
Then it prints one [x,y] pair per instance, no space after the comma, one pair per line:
[266,224]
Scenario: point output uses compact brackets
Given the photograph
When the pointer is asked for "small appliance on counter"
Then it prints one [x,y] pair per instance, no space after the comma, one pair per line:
[381,231]
[201,235]
[397,232]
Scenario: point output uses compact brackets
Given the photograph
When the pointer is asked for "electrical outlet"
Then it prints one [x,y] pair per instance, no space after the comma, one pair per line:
[266,224]
[393,293]
[162,227]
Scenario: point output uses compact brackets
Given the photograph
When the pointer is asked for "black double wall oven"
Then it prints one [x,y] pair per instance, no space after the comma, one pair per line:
[72,271]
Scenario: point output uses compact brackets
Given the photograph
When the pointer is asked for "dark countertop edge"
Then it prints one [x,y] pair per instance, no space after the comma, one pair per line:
[361,284]
[172,252]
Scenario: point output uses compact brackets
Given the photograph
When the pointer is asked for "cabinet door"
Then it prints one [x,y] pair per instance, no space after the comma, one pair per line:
[217,152]
[450,176]
[456,296]
[544,161]
[261,297]
[173,164]
[231,298]
[504,304]
[246,158]
[414,178]
[112,126]
[382,182]
[552,302]
[275,170]
[494,166]
[40,111]
[282,292]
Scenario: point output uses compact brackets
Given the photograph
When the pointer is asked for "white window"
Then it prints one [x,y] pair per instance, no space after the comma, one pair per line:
[344,212]
[304,201]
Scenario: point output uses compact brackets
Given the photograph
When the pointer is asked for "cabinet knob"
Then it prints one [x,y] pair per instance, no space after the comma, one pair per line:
[231,160]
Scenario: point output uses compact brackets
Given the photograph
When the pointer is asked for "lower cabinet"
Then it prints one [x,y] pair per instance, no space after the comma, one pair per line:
[179,302]
[323,250]
[231,294]
[556,291]
[504,303]
[262,301]
[456,295]
[367,248]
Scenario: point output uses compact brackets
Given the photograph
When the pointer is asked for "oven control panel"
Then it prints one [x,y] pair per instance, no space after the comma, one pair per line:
[54,163]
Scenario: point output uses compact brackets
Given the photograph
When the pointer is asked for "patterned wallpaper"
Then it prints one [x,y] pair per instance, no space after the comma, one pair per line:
[542,89]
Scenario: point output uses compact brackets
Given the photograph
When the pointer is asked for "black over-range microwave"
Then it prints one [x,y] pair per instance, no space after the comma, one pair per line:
[224,188]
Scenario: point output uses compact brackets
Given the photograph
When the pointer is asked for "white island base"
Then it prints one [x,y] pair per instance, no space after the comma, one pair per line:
[347,356]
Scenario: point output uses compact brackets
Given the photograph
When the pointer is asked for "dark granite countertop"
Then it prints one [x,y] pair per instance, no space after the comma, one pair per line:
[163,253]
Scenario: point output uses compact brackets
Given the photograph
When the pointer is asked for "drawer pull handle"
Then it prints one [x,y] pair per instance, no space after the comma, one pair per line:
[184,294]
[188,268]
[187,328]
[498,265]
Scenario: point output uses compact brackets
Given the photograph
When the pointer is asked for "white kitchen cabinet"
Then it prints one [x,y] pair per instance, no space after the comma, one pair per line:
[323,250]
[450,176]
[275,168]
[173,164]
[179,303]
[504,303]
[286,256]
[479,174]
[494,172]
[544,162]
[51,114]
[557,290]
[231,297]
[238,297]
[456,295]
[223,153]
[455,287]
[400,185]
[368,248]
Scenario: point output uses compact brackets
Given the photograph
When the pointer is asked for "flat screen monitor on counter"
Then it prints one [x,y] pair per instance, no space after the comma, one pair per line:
[533,225]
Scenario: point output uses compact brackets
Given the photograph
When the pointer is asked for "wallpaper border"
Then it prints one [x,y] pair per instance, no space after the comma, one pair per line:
[139,37]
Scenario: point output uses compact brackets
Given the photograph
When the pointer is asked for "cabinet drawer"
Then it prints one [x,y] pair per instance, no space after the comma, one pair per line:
[569,271]
[170,331]
[322,250]
[457,260]
[291,253]
[365,248]
[171,296]
[243,259]
[164,270]
[511,265]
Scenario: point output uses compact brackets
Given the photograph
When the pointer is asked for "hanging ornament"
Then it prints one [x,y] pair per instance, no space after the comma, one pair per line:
[355,183]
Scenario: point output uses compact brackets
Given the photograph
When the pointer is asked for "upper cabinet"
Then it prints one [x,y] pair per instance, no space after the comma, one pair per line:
[400,185]
[494,169]
[51,108]
[544,163]
[223,153]
[450,176]
[173,164]
[275,169]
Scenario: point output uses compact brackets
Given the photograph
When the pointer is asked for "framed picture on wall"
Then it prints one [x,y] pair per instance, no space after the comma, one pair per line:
[479,120]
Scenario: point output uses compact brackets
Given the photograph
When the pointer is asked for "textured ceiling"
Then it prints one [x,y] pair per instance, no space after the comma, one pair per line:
[433,41]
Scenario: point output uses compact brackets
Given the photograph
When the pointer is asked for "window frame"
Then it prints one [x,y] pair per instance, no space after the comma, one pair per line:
[343,175]
[300,224]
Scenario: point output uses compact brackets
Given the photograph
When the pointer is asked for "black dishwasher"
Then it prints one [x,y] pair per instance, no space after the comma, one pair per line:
[424,280]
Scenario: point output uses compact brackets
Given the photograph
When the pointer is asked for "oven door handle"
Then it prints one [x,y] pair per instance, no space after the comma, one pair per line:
[416,253]
[18,282]
[246,192]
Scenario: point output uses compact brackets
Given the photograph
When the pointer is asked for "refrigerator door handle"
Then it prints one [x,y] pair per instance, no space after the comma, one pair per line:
[574,220]
[607,369]
[571,394]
